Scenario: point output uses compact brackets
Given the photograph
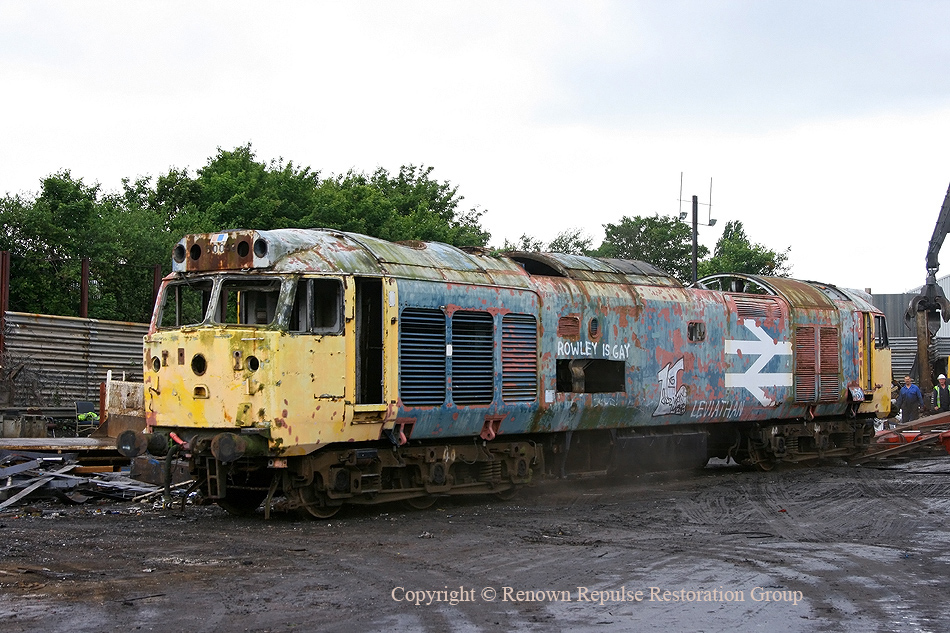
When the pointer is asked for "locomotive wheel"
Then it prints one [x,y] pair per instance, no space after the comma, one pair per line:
[322,512]
[759,456]
[762,462]
[313,502]
[421,503]
[242,503]
[765,465]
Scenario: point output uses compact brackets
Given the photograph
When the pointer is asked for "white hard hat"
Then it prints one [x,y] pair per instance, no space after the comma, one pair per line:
[941,377]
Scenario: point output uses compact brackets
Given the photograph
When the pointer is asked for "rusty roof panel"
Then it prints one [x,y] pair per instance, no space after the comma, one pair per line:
[414,253]
[329,251]
[409,271]
[800,294]
[593,269]
[282,249]
[635,267]
[580,262]
[861,300]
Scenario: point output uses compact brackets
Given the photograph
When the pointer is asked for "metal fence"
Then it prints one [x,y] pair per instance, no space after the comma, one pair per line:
[54,361]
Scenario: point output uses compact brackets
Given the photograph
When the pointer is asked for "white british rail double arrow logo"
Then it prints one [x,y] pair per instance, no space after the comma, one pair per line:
[753,379]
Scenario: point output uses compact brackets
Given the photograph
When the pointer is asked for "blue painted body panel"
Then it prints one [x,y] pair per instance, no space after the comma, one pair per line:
[742,370]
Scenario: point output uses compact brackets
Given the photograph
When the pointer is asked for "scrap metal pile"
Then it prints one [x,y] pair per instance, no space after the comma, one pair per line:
[926,435]
[26,475]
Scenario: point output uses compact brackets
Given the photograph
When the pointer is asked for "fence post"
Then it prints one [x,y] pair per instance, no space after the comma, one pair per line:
[156,282]
[84,289]
[4,298]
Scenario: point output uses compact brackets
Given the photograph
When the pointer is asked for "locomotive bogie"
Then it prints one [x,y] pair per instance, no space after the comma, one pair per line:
[370,475]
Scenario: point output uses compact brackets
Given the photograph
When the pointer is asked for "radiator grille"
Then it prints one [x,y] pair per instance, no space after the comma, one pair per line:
[422,357]
[829,350]
[805,388]
[806,356]
[828,388]
[473,370]
[755,308]
[519,358]
[817,364]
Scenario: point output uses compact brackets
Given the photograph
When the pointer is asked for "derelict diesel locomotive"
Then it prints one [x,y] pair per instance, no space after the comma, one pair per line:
[335,368]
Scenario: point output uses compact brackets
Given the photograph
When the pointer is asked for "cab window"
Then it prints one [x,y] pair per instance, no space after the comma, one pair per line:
[185,303]
[247,302]
[318,307]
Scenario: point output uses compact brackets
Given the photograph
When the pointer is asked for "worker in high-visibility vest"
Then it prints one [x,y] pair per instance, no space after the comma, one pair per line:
[941,395]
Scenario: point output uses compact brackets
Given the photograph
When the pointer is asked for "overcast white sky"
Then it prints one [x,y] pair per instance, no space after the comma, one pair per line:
[825,126]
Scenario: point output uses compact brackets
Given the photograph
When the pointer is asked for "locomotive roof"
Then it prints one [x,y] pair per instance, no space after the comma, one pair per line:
[799,293]
[330,251]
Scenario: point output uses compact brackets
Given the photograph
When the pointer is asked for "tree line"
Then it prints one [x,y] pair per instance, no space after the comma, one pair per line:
[125,233]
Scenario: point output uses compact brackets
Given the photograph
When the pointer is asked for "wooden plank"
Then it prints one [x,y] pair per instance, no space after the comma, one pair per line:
[58,443]
[35,475]
[46,457]
[84,470]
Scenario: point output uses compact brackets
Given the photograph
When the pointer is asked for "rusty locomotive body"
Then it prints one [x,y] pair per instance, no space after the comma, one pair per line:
[336,368]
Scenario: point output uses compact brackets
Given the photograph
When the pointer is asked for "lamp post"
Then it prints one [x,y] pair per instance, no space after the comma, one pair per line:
[695,236]
[696,222]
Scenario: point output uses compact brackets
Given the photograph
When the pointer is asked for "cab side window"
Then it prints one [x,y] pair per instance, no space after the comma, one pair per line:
[318,307]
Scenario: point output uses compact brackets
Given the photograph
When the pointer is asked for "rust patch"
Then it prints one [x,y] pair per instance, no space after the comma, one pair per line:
[233,250]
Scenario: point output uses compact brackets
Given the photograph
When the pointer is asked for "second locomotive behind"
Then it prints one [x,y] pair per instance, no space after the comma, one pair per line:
[336,368]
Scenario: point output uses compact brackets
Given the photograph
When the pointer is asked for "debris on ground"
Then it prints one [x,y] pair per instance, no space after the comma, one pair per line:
[924,437]
[26,476]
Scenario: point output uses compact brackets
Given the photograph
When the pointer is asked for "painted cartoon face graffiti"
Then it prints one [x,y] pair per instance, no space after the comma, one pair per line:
[672,394]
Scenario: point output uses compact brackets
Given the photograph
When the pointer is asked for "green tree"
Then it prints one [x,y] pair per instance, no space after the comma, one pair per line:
[662,241]
[526,244]
[410,205]
[572,242]
[235,190]
[126,233]
[734,253]
[49,235]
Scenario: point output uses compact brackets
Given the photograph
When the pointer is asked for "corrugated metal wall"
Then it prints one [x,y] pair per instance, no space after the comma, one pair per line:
[903,338]
[894,306]
[64,359]
[904,351]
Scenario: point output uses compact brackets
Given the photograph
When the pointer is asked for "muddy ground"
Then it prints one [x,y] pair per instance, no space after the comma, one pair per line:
[832,548]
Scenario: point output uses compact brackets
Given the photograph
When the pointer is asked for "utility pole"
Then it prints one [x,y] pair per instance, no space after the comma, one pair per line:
[696,223]
[695,235]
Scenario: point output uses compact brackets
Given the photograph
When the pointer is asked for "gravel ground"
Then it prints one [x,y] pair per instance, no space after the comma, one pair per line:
[829,548]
